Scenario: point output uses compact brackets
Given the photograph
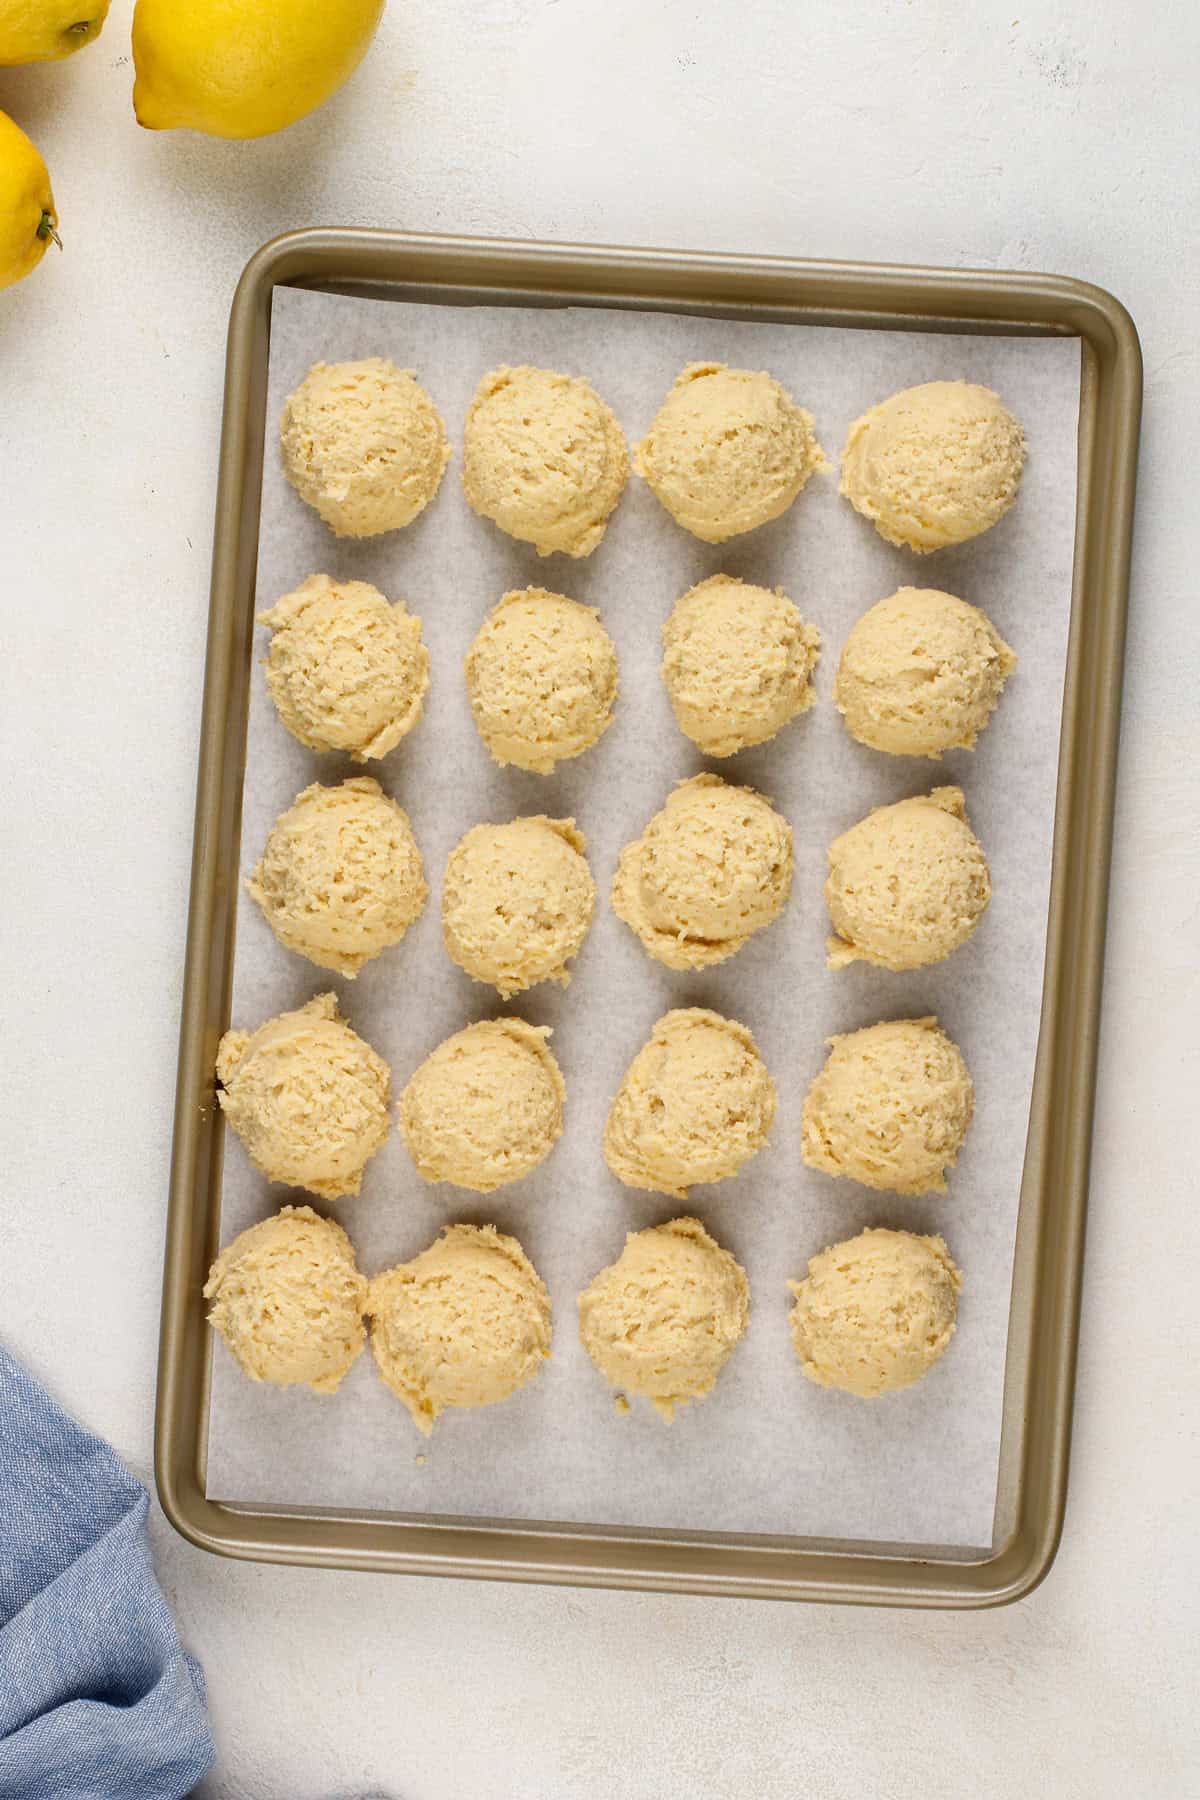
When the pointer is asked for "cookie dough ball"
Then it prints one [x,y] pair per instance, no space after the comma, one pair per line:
[517,902]
[544,459]
[364,444]
[738,664]
[876,1312]
[662,1320]
[486,1107]
[465,1323]
[542,679]
[696,1104]
[288,1299]
[890,1108]
[711,869]
[308,1098]
[728,450]
[346,670]
[907,885]
[921,672]
[340,878]
[934,465]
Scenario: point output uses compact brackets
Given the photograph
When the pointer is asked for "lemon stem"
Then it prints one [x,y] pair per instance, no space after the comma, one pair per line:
[46,229]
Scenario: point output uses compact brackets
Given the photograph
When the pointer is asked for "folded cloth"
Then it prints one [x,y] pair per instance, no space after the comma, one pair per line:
[97,1699]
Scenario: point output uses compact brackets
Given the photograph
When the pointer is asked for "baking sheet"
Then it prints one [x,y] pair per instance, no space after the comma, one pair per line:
[767,1452]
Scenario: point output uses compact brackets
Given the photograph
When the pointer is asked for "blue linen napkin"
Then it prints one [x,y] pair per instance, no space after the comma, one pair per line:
[97,1699]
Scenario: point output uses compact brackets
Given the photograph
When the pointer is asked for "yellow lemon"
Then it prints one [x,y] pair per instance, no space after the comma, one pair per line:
[27,217]
[44,30]
[243,68]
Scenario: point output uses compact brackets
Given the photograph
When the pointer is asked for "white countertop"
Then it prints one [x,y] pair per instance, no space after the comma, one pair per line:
[1051,136]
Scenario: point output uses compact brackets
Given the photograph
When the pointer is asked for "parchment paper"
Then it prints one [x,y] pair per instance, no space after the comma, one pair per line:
[767,1452]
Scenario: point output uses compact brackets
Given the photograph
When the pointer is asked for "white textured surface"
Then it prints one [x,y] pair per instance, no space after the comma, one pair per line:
[1046,136]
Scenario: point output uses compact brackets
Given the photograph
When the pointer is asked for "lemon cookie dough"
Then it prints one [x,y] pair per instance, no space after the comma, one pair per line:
[346,670]
[711,869]
[486,1107]
[364,444]
[921,672]
[542,679]
[934,465]
[662,1320]
[307,1097]
[465,1323]
[738,664]
[890,1108]
[543,458]
[696,1104]
[340,878]
[875,1312]
[517,901]
[288,1300]
[907,885]
[728,450]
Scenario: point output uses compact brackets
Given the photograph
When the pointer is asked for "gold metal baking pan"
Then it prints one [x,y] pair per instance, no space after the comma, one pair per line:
[1049,1250]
